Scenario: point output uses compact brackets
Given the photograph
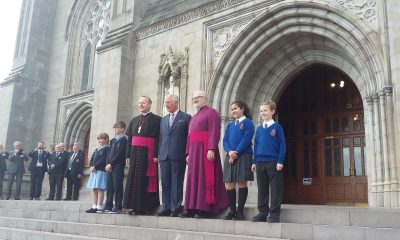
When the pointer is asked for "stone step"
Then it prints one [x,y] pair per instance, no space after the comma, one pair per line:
[23,234]
[166,228]
[102,231]
[302,214]
[297,222]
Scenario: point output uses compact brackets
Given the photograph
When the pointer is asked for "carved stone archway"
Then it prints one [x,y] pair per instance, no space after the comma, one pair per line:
[74,118]
[292,35]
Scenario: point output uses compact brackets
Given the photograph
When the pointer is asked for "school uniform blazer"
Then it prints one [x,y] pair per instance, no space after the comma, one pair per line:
[35,158]
[173,140]
[77,164]
[99,158]
[17,162]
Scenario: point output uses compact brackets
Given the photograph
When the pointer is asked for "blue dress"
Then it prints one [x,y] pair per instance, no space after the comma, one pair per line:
[98,179]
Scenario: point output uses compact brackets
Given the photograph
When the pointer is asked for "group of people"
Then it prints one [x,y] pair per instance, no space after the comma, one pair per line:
[177,142]
[59,164]
[174,143]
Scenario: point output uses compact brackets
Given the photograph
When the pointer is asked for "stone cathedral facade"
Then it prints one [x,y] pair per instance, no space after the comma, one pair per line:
[333,67]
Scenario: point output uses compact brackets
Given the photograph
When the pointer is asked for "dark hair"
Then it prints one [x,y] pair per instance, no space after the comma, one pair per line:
[120,124]
[246,109]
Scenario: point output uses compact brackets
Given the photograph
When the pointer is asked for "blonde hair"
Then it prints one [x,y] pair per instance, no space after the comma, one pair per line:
[271,104]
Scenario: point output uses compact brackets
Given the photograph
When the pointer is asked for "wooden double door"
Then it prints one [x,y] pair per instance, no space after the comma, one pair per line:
[325,160]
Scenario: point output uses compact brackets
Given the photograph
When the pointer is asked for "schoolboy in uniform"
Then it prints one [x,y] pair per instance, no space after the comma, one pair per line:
[269,156]
[115,169]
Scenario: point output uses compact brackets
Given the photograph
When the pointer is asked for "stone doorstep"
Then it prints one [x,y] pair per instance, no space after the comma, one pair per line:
[304,214]
[96,231]
[241,230]
[18,234]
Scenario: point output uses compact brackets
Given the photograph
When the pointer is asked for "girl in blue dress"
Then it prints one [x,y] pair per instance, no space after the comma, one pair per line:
[98,178]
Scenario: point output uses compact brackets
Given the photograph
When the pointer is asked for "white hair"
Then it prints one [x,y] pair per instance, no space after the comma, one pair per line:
[174,97]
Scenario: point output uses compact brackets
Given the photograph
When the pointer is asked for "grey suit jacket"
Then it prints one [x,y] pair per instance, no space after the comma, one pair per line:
[173,140]
[17,162]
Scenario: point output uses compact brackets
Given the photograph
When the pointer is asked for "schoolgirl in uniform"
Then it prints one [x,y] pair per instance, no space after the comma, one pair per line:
[239,153]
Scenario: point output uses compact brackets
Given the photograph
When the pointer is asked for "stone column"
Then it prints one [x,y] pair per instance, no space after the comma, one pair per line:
[394,180]
[23,93]
[385,148]
[378,152]
[370,153]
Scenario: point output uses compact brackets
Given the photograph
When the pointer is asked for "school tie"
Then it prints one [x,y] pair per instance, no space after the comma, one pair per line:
[171,119]
[265,125]
[236,122]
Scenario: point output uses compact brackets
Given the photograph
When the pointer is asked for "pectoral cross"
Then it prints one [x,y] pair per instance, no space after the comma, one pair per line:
[138,131]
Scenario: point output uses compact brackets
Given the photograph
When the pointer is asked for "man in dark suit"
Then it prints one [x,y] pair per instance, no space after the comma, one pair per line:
[74,172]
[57,164]
[38,167]
[173,137]
[3,167]
[16,169]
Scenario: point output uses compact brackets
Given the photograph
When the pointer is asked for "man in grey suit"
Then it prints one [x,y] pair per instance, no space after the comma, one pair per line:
[173,137]
[16,169]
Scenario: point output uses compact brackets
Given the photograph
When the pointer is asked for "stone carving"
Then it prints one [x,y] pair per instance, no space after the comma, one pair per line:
[173,76]
[98,21]
[365,9]
[223,37]
[186,17]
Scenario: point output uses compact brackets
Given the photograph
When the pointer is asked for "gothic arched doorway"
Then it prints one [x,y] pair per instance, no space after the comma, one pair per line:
[322,113]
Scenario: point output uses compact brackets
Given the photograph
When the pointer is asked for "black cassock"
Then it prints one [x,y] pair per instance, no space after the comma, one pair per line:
[136,195]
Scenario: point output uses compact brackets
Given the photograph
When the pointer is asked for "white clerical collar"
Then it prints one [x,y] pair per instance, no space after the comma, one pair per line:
[144,114]
[269,123]
[199,109]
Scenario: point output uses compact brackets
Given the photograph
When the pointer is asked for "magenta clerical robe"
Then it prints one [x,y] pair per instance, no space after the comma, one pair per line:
[198,195]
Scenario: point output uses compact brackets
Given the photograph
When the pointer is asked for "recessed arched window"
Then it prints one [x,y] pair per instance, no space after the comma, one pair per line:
[86,67]
[98,44]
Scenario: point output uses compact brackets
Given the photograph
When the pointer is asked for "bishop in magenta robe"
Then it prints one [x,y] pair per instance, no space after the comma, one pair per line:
[205,190]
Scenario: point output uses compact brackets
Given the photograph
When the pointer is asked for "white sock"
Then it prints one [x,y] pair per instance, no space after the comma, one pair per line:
[94,206]
[100,207]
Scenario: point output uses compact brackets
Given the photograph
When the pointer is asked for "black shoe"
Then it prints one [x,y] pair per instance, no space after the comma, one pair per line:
[7,198]
[92,210]
[164,213]
[136,213]
[36,198]
[229,216]
[50,199]
[187,214]
[31,198]
[67,199]
[17,198]
[202,214]
[260,217]
[174,214]
[239,216]
[273,219]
